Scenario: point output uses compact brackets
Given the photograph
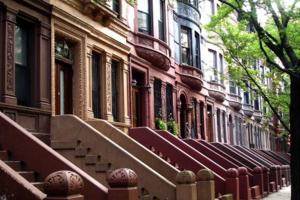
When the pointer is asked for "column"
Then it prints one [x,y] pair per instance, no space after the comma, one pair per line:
[89,79]
[44,67]
[151,103]
[126,94]
[108,96]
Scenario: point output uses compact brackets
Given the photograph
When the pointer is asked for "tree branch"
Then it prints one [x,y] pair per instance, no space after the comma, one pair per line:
[263,95]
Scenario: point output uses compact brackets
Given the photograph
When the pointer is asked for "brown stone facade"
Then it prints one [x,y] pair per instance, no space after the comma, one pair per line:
[26,28]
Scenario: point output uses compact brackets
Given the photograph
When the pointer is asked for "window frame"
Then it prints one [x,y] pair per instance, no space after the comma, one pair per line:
[189,46]
[157,85]
[162,21]
[30,69]
[149,19]
[197,50]
[115,89]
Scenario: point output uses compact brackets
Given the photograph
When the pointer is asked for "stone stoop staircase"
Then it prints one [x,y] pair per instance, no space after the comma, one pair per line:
[93,164]
[20,167]
[96,154]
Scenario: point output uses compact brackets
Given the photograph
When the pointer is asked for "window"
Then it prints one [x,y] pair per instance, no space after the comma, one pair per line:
[202,120]
[232,87]
[224,126]
[169,98]
[213,63]
[194,120]
[115,89]
[23,62]
[116,6]
[221,68]
[185,39]
[246,98]
[219,125]
[157,99]
[256,104]
[212,7]
[161,20]
[197,51]
[144,16]
[176,40]
[96,89]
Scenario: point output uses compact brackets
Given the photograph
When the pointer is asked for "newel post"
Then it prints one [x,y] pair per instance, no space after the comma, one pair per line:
[274,177]
[205,185]
[232,183]
[259,179]
[244,183]
[186,186]
[63,185]
[123,185]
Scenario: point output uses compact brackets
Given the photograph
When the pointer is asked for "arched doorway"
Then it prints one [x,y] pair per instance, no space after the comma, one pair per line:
[183,117]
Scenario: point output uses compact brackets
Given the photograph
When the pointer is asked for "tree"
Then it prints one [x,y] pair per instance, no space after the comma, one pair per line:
[276,40]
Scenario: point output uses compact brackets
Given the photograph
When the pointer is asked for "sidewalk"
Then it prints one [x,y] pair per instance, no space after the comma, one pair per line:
[283,194]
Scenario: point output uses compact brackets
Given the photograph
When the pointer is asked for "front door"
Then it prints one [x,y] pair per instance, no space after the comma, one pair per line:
[209,125]
[136,107]
[63,95]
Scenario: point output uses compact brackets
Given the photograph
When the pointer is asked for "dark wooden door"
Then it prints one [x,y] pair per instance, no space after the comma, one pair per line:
[64,83]
[209,125]
[136,107]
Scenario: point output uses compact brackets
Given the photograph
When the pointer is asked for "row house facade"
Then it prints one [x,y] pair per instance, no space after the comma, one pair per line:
[127,63]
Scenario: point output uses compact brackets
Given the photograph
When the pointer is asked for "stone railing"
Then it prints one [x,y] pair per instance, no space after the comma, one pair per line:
[216,91]
[151,49]
[191,76]
[257,115]
[235,101]
[248,110]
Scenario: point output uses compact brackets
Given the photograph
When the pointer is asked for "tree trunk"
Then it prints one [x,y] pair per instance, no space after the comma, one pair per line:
[295,137]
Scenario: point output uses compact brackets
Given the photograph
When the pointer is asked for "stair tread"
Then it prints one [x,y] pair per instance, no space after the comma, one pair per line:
[16,165]
[3,155]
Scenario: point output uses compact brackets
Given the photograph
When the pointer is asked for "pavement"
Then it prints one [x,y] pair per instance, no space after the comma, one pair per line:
[283,194]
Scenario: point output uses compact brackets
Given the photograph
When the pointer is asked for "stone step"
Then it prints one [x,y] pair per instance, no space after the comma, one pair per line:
[63,145]
[44,137]
[3,155]
[15,165]
[39,185]
[81,151]
[91,159]
[28,175]
[102,167]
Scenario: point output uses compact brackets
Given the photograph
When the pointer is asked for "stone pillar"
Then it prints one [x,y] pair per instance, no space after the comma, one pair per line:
[273,176]
[63,185]
[8,77]
[126,93]
[266,174]
[205,185]
[258,179]
[123,185]
[186,186]
[279,174]
[44,67]
[244,183]
[151,103]
[108,96]
[232,183]
[89,84]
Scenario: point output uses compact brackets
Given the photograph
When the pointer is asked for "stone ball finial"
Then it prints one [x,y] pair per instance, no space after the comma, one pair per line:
[63,183]
[205,175]
[232,173]
[257,170]
[122,178]
[242,171]
[185,177]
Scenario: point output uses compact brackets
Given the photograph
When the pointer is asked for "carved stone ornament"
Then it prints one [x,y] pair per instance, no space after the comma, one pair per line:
[63,183]
[122,178]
